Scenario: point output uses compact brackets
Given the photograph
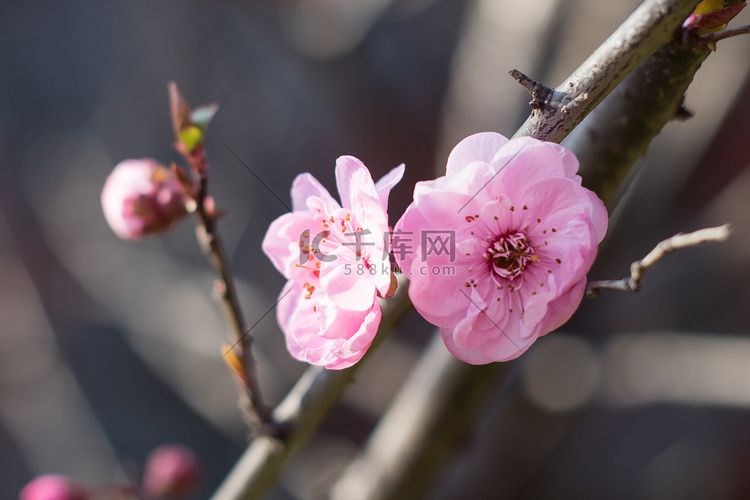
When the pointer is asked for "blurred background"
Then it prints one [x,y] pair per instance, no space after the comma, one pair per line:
[109,349]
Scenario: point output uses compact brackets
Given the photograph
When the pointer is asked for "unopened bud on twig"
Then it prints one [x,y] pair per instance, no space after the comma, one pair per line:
[53,487]
[171,471]
[142,197]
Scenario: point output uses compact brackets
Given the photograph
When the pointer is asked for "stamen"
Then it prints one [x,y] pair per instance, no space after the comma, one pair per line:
[310,289]
[510,254]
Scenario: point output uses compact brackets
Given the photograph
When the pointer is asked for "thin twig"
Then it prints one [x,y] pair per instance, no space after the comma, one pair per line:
[256,410]
[300,413]
[189,143]
[723,34]
[639,268]
[542,96]
[257,413]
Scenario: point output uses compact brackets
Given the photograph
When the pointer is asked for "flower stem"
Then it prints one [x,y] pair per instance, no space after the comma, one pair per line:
[300,413]
[724,34]
[257,412]
[190,144]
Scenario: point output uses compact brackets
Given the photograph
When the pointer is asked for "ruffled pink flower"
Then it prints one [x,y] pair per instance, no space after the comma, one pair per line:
[53,487]
[501,245]
[171,471]
[336,259]
[142,197]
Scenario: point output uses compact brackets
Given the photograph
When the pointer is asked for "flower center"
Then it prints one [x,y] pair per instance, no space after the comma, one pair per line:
[509,255]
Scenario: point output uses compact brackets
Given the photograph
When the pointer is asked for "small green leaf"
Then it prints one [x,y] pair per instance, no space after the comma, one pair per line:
[191,138]
[202,115]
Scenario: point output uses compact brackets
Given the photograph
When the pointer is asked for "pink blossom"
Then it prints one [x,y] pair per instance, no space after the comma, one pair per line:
[142,197]
[171,471]
[53,487]
[336,259]
[524,233]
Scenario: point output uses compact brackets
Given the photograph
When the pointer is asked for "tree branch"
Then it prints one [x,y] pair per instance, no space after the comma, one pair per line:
[639,268]
[652,25]
[404,444]
[255,410]
[189,128]
[649,27]
[618,132]
[422,427]
[298,416]
[724,34]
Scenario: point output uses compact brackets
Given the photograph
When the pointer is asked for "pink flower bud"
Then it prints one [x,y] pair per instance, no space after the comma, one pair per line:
[712,16]
[53,487]
[142,197]
[171,471]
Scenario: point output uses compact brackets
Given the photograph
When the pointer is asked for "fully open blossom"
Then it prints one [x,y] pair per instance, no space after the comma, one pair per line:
[336,259]
[501,245]
[53,487]
[142,197]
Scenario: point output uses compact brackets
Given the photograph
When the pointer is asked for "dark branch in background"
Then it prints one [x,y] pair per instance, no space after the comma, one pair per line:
[638,268]
[618,132]
[430,417]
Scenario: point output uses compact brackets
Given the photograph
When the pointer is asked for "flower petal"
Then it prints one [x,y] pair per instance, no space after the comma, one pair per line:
[304,188]
[347,282]
[284,242]
[387,182]
[353,180]
[478,147]
[340,344]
